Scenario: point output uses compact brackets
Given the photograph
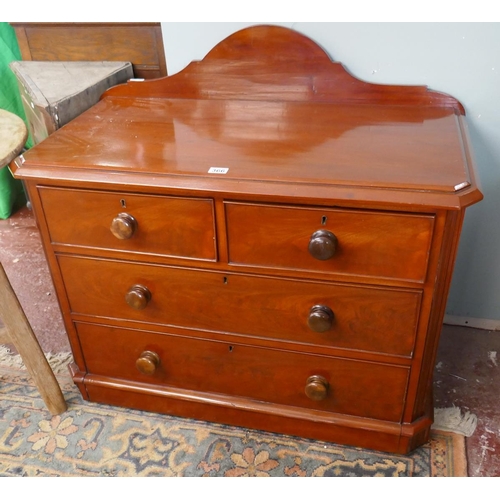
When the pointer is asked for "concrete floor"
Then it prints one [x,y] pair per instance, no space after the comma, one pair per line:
[467,374]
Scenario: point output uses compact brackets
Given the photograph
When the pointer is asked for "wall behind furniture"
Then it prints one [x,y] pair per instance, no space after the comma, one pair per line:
[461,59]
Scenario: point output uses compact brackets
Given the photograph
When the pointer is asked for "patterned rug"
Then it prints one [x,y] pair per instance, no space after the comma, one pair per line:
[99,440]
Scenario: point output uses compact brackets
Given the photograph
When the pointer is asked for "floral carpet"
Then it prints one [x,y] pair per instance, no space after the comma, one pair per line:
[98,440]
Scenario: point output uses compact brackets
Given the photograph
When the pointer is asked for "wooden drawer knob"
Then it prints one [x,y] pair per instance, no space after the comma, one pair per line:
[148,362]
[323,245]
[320,318]
[123,226]
[317,387]
[138,297]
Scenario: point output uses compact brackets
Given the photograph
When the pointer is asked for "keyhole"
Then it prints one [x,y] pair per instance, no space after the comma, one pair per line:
[323,220]
[230,348]
[225,280]
[123,203]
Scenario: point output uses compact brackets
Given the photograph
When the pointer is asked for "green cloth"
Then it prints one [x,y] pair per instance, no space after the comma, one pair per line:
[12,194]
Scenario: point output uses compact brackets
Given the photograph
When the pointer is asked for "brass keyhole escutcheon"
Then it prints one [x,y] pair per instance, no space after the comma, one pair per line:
[123,226]
[323,244]
[138,297]
[148,362]
[317,387]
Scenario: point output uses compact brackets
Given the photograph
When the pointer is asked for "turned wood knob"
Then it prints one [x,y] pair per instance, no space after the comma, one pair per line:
[322,245]
[317,387]
[320,318]
[138,297]
[148,362]
[123,226]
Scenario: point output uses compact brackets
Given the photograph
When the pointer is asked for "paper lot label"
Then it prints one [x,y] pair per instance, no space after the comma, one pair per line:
[218,170]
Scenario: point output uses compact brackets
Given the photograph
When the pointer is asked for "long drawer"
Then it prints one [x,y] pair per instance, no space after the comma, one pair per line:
[352,317]
[349,387]
[353,242]
[125,222]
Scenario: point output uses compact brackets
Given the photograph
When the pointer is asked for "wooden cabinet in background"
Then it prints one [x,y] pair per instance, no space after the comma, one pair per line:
[260,240]
[138,43]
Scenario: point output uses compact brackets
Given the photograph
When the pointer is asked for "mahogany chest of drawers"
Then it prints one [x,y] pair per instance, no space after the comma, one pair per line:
[260,240]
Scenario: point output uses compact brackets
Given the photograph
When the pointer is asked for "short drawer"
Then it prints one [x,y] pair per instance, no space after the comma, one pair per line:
[345,386]
[159,225]
[345,316]
[354,242]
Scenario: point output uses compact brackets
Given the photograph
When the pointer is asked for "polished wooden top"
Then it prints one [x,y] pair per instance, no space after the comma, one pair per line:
[263,142]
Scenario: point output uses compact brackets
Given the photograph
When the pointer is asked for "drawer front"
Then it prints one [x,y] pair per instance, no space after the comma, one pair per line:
[350,387]
[167,226]
[364,318]
[364,243]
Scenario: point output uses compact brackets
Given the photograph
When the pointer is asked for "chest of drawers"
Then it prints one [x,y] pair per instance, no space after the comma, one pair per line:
[260,240]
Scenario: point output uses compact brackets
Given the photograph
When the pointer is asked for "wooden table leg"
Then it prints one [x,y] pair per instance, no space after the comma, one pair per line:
[18,330]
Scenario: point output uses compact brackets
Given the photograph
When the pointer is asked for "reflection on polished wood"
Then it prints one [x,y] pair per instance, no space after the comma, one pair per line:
[313,144]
